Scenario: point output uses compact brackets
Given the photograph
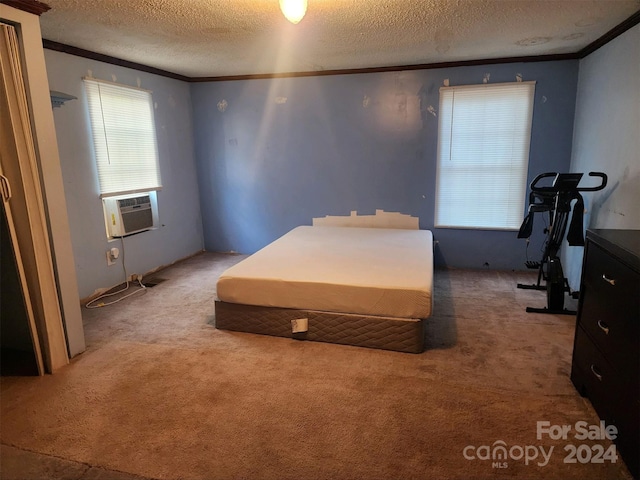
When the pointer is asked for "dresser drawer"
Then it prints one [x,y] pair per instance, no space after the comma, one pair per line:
[593,375]
[615,332]
[612,282]
[614,397]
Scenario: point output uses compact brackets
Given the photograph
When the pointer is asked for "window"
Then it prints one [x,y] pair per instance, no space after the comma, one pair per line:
[483,154]
[124,138]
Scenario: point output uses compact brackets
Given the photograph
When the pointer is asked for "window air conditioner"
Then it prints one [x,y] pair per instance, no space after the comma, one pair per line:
[125,216]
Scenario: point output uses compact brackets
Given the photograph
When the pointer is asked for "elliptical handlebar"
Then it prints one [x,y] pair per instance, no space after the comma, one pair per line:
[558,186]
[603,182]
[534,183]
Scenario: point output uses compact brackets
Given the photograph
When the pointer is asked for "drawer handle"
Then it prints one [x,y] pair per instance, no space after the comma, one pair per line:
[603,326]
[610,281]
[594,370]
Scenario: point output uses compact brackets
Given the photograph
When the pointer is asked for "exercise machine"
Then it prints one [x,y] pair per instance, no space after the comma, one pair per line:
[556,199]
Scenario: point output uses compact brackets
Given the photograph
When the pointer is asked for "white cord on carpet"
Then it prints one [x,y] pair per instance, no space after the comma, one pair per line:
[126,279]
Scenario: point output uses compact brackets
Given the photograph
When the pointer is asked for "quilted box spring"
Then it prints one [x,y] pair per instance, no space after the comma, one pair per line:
[400,335]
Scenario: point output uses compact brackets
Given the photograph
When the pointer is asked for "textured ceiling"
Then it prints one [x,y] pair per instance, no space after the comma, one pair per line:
[207,38]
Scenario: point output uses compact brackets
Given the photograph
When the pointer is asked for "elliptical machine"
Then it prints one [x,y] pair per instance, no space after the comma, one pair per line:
[556,199]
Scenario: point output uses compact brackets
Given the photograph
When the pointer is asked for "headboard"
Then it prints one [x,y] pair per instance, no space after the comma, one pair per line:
[381,219]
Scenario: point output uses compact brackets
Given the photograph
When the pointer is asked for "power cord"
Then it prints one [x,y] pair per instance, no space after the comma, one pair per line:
[126,278]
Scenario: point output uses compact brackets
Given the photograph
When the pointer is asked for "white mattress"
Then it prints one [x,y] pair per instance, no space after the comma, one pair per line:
[370,271]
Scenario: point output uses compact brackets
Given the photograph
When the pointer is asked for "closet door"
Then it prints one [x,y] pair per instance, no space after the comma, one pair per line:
[20,347]
[24,206]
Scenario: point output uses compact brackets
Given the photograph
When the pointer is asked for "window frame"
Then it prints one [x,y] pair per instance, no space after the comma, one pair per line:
[517,185]
[116,153]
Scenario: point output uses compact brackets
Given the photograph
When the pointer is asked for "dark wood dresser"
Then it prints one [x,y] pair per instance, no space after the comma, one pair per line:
[606,352]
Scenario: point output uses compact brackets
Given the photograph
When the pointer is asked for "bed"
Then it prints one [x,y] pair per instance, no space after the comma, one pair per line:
[368,287]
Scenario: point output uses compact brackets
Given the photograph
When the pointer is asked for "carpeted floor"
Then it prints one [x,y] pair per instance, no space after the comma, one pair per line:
[160,393]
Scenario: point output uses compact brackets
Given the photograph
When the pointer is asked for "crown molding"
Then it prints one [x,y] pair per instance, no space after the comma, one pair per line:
[30,6]
[81,52]
[616,31]
[394,68]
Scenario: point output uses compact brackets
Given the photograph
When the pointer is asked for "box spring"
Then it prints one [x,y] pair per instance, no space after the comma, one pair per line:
[388,333]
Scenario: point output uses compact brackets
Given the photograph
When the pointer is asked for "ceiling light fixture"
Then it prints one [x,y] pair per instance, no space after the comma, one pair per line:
[293,10]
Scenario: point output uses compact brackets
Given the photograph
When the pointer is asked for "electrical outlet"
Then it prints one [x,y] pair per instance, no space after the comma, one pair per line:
[110,259]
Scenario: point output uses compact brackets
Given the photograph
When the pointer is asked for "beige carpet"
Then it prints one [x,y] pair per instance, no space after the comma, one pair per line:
[161,393]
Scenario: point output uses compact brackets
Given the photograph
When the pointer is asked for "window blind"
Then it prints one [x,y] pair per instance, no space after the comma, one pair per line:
[124,138]
[483,155]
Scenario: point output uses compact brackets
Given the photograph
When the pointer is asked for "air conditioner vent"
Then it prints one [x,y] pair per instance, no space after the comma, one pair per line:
[125,216]
[131,202]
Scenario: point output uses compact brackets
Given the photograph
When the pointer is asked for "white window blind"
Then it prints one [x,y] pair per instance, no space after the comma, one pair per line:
[124,138]
[483,155]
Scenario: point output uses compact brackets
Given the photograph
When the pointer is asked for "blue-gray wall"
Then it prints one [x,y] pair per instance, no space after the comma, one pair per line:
[178,201]
[607,138]
[273,154]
